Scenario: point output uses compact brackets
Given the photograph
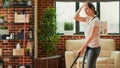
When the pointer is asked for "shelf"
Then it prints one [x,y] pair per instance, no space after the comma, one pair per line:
[6,56]
[8,45]
[6,39]
[23,39]
[16,57]
[12,40]
[19,6]
[22,23]
[5,22]
[1,61]
[15,23]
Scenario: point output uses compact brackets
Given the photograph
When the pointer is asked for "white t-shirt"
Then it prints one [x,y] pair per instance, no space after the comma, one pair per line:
[91,23]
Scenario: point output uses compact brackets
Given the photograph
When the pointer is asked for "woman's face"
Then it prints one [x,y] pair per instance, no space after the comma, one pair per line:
[88,11]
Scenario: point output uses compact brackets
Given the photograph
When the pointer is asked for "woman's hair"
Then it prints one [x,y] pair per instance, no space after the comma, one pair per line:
[91,6]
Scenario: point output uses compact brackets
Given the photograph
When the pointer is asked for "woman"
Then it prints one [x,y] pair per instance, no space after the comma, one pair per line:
[92,34]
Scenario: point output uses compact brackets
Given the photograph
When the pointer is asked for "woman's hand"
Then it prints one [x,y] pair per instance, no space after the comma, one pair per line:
[84,5]
[82,50]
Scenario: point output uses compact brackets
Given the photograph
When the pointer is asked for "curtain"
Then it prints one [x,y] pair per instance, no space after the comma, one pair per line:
[86,0]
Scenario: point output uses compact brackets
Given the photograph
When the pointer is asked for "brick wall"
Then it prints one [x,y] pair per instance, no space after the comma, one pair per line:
[8,45]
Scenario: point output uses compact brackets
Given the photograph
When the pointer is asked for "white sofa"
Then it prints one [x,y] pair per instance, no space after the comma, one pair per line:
[108,55]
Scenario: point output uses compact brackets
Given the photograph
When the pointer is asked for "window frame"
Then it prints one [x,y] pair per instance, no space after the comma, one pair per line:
[98,10]
[77,30]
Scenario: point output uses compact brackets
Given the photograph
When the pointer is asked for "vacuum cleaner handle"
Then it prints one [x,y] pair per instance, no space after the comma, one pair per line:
[75,60]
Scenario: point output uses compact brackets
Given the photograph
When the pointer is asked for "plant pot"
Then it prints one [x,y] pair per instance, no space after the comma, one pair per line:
[1,20]
[29,3]
[48,62]
[15,3]
[23,3]
[4,31]
[26,66]
[68,32]
[27,53]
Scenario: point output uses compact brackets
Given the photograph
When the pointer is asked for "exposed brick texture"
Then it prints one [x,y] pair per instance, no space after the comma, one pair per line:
[8,45]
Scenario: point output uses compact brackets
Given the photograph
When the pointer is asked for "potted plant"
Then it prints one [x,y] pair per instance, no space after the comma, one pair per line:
[15,2]
[1,18]
[27,51]
[29,2]
[6,4]
[24,2]
[68,28]
[47,32]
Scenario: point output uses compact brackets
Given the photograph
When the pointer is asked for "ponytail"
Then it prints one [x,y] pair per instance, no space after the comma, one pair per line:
[95,12]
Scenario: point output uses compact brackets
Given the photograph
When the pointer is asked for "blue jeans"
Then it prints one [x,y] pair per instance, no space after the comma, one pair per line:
[91,55]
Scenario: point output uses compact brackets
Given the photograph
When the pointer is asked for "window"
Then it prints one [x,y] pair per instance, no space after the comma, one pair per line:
[65,12]
[108,14]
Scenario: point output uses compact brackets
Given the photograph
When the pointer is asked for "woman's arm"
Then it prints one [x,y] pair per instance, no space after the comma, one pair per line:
[79,18]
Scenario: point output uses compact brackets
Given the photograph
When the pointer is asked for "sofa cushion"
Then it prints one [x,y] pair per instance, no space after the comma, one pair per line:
[105,59]
[100,60]
[107,44]
[105,53]
[71,45]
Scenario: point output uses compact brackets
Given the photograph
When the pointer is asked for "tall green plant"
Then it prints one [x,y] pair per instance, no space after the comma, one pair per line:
[47,32]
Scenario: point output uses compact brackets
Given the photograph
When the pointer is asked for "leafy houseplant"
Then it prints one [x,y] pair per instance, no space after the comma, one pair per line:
[23,1]
[15,2]
[6,4]
[1,19]
[68,27]
[47,32]
[27,51]
[3,27]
